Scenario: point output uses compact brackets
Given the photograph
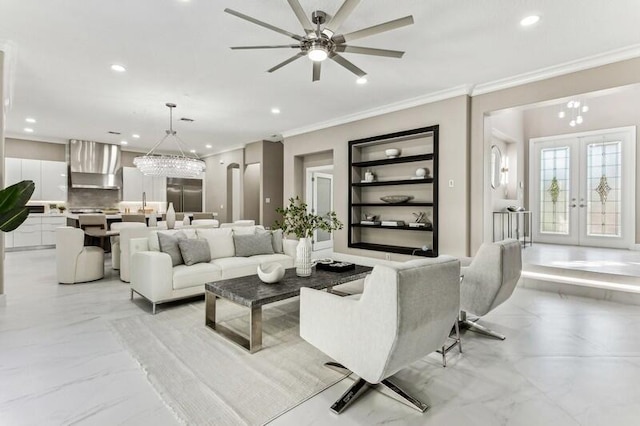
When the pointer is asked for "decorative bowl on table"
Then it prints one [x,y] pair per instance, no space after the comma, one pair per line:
[395,199]
[270,274]
[392,152]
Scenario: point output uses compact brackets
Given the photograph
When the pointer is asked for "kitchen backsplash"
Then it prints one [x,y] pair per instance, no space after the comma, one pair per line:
[85,197]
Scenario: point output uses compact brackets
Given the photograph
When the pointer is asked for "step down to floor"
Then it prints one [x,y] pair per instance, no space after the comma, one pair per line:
[596,285]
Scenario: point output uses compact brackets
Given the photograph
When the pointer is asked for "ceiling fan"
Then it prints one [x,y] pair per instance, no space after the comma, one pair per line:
[321,40]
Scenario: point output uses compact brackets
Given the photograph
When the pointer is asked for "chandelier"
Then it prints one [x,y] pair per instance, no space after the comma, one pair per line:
[574,112]
[181,166]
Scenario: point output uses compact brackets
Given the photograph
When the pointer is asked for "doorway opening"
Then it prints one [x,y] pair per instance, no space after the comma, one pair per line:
[233,192]
[319,199]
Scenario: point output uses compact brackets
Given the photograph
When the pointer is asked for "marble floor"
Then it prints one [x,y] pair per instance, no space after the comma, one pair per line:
[566,361]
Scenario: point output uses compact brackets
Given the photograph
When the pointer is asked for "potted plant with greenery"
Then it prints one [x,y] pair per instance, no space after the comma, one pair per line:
[13,199]
[297,220]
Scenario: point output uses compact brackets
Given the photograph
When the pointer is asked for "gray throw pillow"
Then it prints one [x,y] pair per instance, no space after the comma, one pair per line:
[251,245]
[194,250]
[276,239]
[169,244]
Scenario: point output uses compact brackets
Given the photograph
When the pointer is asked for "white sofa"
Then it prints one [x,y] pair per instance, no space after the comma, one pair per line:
[154,277]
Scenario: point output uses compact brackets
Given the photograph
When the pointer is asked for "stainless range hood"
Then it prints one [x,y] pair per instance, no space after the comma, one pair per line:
[94,165]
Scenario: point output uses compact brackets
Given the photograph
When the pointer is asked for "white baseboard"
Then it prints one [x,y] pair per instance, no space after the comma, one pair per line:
[635,247]
[3,300]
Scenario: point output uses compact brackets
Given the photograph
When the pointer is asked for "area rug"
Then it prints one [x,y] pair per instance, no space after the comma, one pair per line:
[207,380]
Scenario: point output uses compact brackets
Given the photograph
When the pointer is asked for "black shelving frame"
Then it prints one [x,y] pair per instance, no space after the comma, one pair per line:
[357,186]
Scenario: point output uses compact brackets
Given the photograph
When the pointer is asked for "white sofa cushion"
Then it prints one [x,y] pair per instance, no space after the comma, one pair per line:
[267,259]
[188,276]
[220,241]
[233,267]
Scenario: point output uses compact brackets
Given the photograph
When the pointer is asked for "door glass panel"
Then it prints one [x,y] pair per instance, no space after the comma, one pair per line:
[323,188]
[554,190]
[604,181]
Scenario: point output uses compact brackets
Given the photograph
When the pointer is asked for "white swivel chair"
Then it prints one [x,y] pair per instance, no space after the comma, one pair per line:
[488,281]
[75,262]
[404,313]
[115,241]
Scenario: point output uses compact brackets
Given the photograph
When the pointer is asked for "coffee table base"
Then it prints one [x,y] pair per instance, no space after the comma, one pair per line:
[254,343]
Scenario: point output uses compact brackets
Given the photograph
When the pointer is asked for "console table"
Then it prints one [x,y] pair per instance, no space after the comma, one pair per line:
[516,225]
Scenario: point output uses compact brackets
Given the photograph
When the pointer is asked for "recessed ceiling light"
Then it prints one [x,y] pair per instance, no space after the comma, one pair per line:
[30,120]
[124,143]
[362,80]
[529,20]
[275,110]
[209,146]
[118,68]
[135,136]
[193,151]
[28,129]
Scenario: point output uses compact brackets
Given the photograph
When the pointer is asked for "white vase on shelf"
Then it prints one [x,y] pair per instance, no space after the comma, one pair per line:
[303,257]
[171,217]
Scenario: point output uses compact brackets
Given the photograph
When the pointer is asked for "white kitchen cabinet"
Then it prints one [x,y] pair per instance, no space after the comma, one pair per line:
[159,192]
[13,171]
[54,181]
[32,170]
[134,183]
[49,177]
[49,225]
[29,233]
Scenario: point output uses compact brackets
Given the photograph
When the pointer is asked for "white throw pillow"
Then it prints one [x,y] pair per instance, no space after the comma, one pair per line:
[220,241]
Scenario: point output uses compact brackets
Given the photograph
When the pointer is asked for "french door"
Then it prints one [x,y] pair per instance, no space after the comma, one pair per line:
[583,188]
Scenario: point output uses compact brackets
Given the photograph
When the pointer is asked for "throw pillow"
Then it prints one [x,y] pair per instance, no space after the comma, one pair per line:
[194,250]
[276,239]
[220,241]
[169,244]
[251,245]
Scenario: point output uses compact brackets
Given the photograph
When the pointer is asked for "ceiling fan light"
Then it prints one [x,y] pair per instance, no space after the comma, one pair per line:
[318,54]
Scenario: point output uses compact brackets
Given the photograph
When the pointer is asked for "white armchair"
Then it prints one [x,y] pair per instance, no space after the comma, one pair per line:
[75,262]
[488,281]
[115,241]
[404,313]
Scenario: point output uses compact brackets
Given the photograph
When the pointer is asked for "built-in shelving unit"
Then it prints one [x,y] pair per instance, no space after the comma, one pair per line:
[394,176]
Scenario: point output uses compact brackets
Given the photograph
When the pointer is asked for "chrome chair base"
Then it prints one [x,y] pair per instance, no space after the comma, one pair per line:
[361,386]
[472,325]
[456,341]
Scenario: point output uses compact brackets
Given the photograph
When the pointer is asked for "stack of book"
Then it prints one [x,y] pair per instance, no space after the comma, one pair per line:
[393,223]
[369,222]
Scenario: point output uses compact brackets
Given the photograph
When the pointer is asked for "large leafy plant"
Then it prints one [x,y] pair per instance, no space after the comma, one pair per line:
[296,219]
[12,204]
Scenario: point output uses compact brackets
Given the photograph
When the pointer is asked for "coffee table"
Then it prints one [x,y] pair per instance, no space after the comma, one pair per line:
[249,291]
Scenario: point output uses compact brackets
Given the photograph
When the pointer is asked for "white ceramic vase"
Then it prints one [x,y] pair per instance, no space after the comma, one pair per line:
[171,217]
[303,257]
[186,221]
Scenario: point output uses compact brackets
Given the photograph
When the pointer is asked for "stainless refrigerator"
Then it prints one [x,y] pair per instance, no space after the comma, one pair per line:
[185,194]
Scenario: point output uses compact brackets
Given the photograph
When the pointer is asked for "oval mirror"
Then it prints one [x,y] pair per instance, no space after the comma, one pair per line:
[496,162]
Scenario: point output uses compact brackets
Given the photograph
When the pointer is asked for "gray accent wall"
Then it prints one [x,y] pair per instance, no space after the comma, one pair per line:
[34,150]
[453,117]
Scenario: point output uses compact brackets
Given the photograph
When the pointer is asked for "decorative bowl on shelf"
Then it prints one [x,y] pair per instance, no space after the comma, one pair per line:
[395,199]
[270,274]
[392,152]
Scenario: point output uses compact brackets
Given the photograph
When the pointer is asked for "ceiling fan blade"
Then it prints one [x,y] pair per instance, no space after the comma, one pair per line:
[316,70]
[348,65]
[340,16]
[302,17]
[376,29]
[290,46]
[369,51]
[288,61]
[263,24]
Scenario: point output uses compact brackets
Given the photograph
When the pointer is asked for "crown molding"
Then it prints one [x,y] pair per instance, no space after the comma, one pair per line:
[22,136]
[374,112]
[600,59]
